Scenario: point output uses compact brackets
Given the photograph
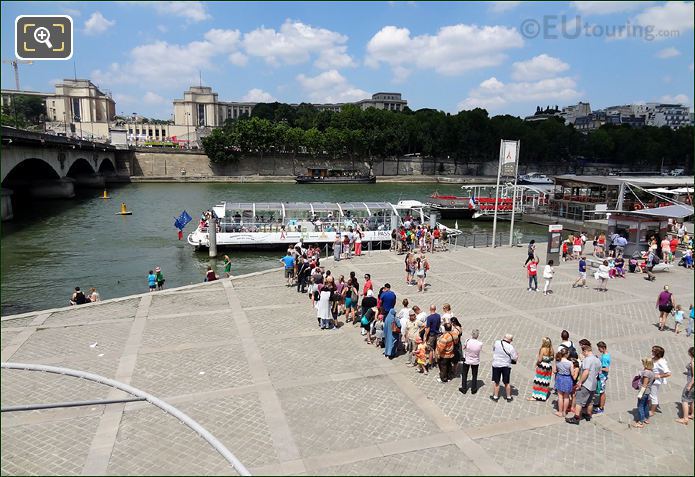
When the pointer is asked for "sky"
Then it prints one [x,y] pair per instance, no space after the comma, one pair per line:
[507,57]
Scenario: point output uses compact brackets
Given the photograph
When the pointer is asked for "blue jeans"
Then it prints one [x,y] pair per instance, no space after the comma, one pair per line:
[643,408]
[533,280]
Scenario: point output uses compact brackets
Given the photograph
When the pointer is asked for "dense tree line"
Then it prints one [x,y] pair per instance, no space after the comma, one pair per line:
[23,111]
[467,137]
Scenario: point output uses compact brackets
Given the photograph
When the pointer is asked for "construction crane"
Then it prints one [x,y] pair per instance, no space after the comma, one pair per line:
[15,64]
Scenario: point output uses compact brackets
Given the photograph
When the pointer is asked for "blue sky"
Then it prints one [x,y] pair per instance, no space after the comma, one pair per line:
[505,56]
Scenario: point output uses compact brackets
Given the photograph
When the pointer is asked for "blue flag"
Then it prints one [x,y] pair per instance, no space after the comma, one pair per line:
[182,220]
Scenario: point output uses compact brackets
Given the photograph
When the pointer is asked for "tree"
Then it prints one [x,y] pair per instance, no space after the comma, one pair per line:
[313,140]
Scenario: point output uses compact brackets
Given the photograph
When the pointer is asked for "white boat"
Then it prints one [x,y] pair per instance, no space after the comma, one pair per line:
[275,224]
[535,178]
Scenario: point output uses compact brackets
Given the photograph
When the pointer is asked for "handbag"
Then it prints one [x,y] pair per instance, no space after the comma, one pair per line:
[395,328]
[637,382]
[364,320]
[505,352]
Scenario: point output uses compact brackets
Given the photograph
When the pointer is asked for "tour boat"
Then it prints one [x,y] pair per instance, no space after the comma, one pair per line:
[534,178]
[335,176]
[479,201]
[276,224]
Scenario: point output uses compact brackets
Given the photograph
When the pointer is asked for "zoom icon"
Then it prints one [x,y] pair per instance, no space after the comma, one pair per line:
[43,37]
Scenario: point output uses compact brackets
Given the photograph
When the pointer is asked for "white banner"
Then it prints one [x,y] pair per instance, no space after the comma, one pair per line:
[508,157]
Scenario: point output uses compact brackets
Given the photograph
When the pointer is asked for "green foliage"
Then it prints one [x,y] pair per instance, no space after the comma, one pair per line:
[466,137]
[23,110]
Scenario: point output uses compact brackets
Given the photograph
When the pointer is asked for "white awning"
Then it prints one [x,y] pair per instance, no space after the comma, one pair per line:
[676,211]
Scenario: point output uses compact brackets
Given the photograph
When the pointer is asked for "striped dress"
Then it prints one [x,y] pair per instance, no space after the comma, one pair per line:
[541,382]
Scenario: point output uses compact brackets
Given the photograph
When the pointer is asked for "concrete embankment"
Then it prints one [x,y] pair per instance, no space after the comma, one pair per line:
[290,179]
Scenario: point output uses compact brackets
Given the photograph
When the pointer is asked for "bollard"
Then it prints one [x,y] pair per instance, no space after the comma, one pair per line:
[212,236]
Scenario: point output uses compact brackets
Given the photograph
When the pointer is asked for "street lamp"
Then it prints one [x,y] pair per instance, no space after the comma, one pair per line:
[135,115]
[188,130]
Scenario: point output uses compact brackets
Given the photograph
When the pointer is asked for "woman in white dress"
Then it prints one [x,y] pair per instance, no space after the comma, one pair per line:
[324,306]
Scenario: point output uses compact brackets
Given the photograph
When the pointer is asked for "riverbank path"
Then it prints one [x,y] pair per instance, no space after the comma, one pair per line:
[245,358]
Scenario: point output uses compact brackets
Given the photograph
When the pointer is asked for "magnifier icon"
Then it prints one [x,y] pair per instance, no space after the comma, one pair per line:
[42,35]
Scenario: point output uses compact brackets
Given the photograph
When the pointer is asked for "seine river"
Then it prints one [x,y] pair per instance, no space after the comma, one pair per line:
[52,246]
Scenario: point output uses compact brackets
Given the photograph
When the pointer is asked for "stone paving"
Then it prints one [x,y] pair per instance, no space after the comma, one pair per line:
[245,358]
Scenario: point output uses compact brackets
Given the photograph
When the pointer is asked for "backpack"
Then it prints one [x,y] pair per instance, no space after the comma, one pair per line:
[637,382]
[656,260]
[571,350]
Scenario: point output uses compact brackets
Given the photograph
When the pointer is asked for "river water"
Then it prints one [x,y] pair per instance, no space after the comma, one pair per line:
[52,246]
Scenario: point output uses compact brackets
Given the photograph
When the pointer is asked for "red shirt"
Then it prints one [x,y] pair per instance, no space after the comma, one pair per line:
[674,245]
[577,240]
[367,286]
[532,268]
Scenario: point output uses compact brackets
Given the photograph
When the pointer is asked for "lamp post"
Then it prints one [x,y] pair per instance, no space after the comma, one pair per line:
[65,123]
[188,130]
[135,115]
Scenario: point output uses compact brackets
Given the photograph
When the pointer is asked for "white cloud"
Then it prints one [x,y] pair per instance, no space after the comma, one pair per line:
[453,50]
[193,11]
[239,59]
[153,98]
[296,43]
[500,7]
[97,24]
[675,99]
[257,95]
[124,99]
[73,12]
[54,81]
[493,94]
[541,66]
[330,87]
[669,17]
[668,53]
[606,8]
[170,65]
[162,28]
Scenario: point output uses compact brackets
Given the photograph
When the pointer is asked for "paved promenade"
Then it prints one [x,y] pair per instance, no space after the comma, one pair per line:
[246,359]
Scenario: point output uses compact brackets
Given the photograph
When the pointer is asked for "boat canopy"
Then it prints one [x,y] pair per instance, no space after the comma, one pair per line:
[289,209]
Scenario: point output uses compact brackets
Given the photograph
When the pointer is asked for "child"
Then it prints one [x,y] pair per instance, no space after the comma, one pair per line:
[603,376]
[548,273]
[420,355]
[152,280]
[160,278]
[688,258]
[691,322]
[575,377]
[678,317]
[312,291]
[379,331]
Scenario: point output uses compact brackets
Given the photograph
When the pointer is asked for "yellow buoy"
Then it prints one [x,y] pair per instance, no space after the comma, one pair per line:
[124,210]
[106,195]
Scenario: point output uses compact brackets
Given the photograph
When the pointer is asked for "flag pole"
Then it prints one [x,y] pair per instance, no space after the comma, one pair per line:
[497,194]
[516,175]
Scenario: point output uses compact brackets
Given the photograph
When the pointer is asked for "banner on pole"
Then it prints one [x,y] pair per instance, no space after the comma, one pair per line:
[508,158]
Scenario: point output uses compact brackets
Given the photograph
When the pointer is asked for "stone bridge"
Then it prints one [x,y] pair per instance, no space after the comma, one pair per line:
[46,166]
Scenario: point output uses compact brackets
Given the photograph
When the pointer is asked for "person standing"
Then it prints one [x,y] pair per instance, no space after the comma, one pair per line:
[548,274]
[531,252]
[358,242]
[432,325]
[445,353]
[227,267]
[664,303]
[388,299]
[603,274]
[337,247]
[323,312]
[544,372]
[661,373]
[151,281]
[563,382]
[392,333]
[688,392]
[303,273]
[367,285]
[532,272]
[288,264]
[471,360]
[646,380]
[160,278]
[666,249]
[586,386]
[603,376]
[582,273]
[652,260]
[412,333]
[503,356]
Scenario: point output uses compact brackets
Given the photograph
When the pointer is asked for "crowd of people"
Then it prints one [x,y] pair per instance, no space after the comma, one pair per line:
[435,341]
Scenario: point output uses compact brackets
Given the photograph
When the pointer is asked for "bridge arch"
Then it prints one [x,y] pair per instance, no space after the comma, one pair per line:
[106,164]
[79,167]
[29,169]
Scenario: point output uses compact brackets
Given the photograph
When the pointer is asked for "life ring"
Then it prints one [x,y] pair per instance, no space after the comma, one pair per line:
[637,207]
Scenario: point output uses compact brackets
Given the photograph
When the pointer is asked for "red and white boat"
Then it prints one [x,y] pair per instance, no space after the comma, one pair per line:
[480,201]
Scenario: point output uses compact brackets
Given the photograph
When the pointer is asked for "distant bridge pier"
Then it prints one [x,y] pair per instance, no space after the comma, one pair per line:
[6,195]
[90,181]
[52,189]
